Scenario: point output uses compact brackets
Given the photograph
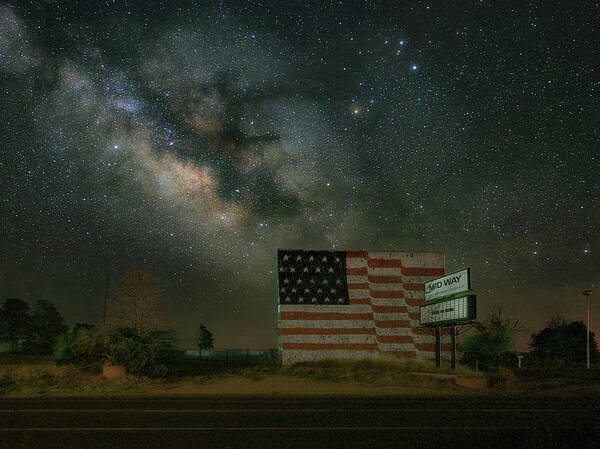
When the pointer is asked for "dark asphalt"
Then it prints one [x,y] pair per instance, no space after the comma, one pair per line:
[300,423]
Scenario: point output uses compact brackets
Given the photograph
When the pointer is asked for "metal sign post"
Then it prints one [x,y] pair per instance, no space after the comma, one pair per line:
[453,347]
[438,347]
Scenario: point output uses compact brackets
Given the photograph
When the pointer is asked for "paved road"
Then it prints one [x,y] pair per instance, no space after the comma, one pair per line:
[296,423]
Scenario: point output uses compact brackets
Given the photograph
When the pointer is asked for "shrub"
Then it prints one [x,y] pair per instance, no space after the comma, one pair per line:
[7,384]
[140,354]
[489,350]
[82,346]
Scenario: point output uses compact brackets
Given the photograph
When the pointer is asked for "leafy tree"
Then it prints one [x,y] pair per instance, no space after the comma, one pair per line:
[562,341]
[137,304]
[47,324]
[14,321]
[493,345]
[205,338]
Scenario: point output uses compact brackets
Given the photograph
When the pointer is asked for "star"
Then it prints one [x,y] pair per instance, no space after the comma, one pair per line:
[286,257]
[313,299]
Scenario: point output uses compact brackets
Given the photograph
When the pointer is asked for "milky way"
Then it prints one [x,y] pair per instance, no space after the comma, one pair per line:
[195,140]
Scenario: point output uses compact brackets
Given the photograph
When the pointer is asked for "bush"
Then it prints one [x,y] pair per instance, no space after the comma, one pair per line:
[490,351]
[142,355]
[82,346]
[7,384]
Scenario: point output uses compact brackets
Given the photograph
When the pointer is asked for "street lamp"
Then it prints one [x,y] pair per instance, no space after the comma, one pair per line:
[587,294]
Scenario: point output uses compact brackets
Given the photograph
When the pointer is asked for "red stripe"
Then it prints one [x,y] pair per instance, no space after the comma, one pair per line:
[326,331]
[392,323]
[414,287]
[420,271]
[357,254]
[389,309]
[407,271]
[430,347]
[358,285]
[385,279]
[326,346]
[325,316]
[360,301]
[395,339]
[386,293]
[384,263]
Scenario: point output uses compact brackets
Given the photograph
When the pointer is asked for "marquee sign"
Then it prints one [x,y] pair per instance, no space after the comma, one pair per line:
[449,311]
[450,284]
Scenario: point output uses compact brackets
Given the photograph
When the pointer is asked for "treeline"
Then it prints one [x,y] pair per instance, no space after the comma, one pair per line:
[30,330]
[135,334]
[559,344]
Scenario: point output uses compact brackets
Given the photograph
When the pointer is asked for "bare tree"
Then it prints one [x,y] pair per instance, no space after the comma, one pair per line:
[137,303]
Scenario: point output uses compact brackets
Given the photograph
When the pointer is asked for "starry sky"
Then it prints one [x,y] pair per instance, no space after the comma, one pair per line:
[193,139]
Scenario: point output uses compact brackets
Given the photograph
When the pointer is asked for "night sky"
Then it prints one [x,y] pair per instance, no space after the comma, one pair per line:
[194,139]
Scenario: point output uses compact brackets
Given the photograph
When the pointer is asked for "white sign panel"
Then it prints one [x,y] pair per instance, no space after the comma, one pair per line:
[459,309]
[451,284]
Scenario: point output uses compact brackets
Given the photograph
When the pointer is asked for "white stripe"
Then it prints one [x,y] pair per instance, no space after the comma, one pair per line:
[414,294]
[385,287]
[397,347]
[326,323]
[389,302]
[390,316]
[356,293]
[353,278]
[329,338]
[300,355]
[353,308]
[384,271]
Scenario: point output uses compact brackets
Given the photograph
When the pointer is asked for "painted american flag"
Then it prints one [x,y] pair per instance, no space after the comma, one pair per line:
[354,304]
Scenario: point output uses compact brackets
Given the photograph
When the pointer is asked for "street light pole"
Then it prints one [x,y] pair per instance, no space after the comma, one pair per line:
[587,294]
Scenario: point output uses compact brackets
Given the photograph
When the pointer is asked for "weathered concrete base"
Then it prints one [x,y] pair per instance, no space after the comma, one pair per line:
[114,371]
[476,383]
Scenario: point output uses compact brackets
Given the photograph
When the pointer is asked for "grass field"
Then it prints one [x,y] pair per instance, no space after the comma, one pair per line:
[28,376]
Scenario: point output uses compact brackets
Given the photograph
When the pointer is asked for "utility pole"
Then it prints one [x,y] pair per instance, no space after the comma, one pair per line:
[587,294]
